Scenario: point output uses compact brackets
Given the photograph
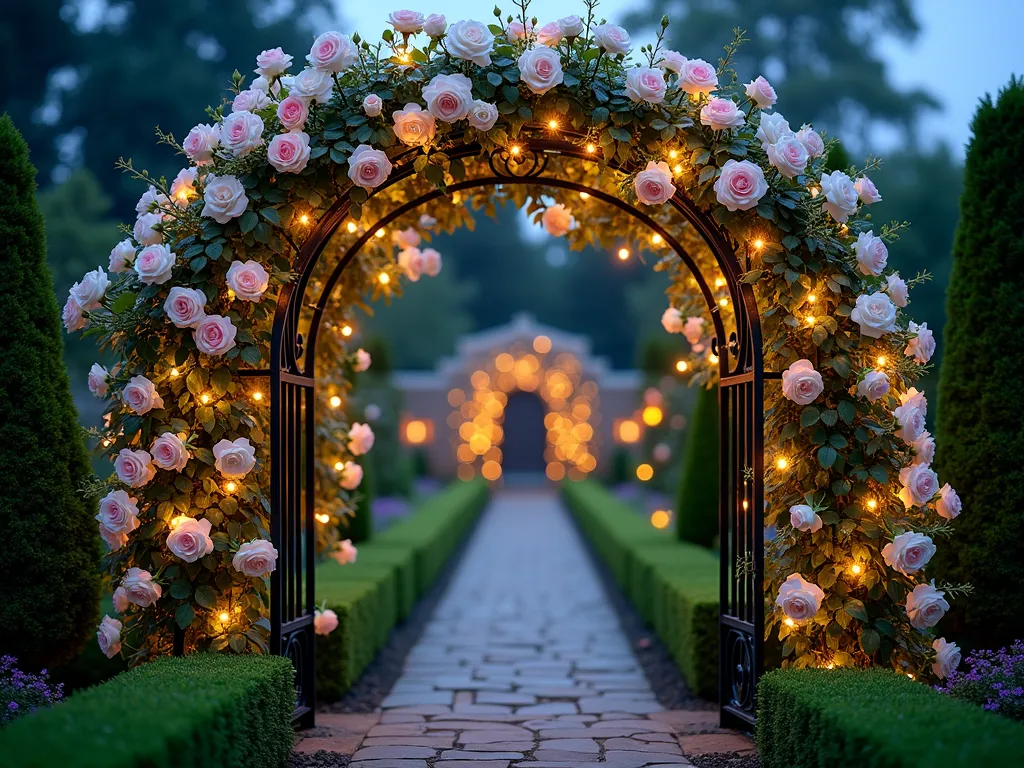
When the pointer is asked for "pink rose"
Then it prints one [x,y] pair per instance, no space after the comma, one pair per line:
[672,320]
[449,97]
[910,415]
[550,34]
[426,221]
[97,380]
[645,84]
[360,438]
[612,39]
[517,31]
[908,553]
[140,588]
[362,361]
[120,598]
[185,307]
[654,185]
[351,476]
[671,61]
[248,280]
[114,541]
[234,459]
[741,185]
[413,126]
[406,22]
[108,636]
[118,512]
[897,289]
[183,188]
[483,116]
[557,220]
[541,69]
[840,196]
[924,448]
[91,290]
[147,229]
[867,191]
[760,92]
[189,539]
[947,658]
[406,238]
[411,261]
[289,152]
[949,505]
[72,316]
[922,346]
[332,52]
[345,553]
[720,114]
[272,63]
[470,41]
[372,105]
[224,198]
[292,112]
[801,383]
[788,155]
[693,330]
[571,26]
[255,558]
[153,264]
[214,335]
[169,452]
[251,100]
[368,167]
[698,77]
[121,256]
[431,262]
[241,132]
[804,518]
[435,25]
[926,606]
[875,313]
[325,622]
[150,201]
[874,386]
[201,142]
[312,85]
[920,484]
[810,139]
[799,599]
[872,255]
[141,396]
[134,468]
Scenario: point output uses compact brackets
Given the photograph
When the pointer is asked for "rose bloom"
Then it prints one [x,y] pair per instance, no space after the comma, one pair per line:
[351,476]
[949,505]
[947,658]
[214,335]
[201,142]
[654,185]
[840,196]
[169,452]
[926,606]
[720,114]
[435,25]
[72,316]
[97,380]
[360,439]
[924,449]
[289,152]
[867,191]
[908,553]
[799,599]
[272,63]
[693,330]
[897,289]
[189,539]
[557,220]
[875,313]
[550,34]
[760,92]
[920,484]
[449,97]
[801,383]
[804,518]
[671,61]
[108,636]
[248,280]
[325,621]
[241,133]
[185,307]
[372,105]
[314,85]
[413,126]
[406,238]
[788,155]
[411,261]
[516,31]
[571,26]
[698,77]
[771,128]
[483,116]
[140,588]
[234,459]
[541,69]
[910,415]
[406,22]
[810,139]
[120,599]
[612,38]
[874,386]
[345,553]
[114,541]
[426,220]
[362,361]
[741,185]
[368,167]
[251,100]
[118,512]
[922,346]
[672,320]
[470,41]
[255,558]
[332,52]
[872,255]
[261,83]
[224,198]
[431,260]
[134,468]
[141,396]
[121,256]
[183,188]
[145,230]
[150,201]
[91,290]
[646,84]
[292,113]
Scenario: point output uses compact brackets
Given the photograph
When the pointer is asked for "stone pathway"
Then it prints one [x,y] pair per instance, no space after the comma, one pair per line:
[523,664]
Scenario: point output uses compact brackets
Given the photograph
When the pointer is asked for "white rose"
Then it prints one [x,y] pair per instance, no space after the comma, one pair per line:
[97,380]
[671,61]
[289,152]
[108,635]
[118,512]
[272,63]
[72,316]
[470,41]
[426,220]
[360,438]
[411,262]
[153,264]
[311,85]
[788,155]
[234,459]
[772,127]
[949,505]
[672,320]
[241,132]
[249,280]
[214,335]
[840,195]
[867,191]
[134,468]
[875,313]
[201,142]
[141,396]
[571,26]
[653,185]
[698,77]
[612,39]
[351,476]
[449,97]
[541,69]
[325,622]
[741,185]
[184,186]
[483,116]
[413,126]
[224,198]
[908,553]
[804,518]
[332,52]
[406,238]
[140,588]
[372,105]
[910,415]
[557,220]
[169,452]
[189,539]
[760,92]
[431,261]
[924,450]
[799,599]
[947,658]
[150,201]
[362,361]
[874,386]
[801,383]
[345,553]
[647,84]
[368,167]
[693,330]
[251,100]
[897,289]
[255,558]
[810,139]
[872,255]
[435,25]
[146,230]
[185,306]
[926,606]
[406,22]
[121,256]
[550,34]
[922,346]
[91,290]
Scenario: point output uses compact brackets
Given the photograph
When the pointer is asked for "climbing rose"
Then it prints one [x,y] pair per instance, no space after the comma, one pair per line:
[804,518]
[332,52]
[72,316]
[251,100]
[272,63]
[351,476]
[671,61]
[801,383]
[145,230]
[926,606]
[134,468]
[517,31]
[189,539]
[483,116]
[672,320]
[406,238]
[541,69]
[363,361]
[97,380]
[169,452]
[120,599]
[435,25]
[121,255]
[114,541]
[234,459]
[920,484]
[201,142]
[255,558]
[406,22]
[897,289]
[426,221]
[91,290]
[360,438]
[947,658]
[910,415]
[449,97]
[557,220]
[241,132]
[874,386]
[840,196]
[413,126]
[867,191]
[550,34]
[153,264]
[345,553]
[647,84]
[693,330]
[184,187]
[760,92]
[431,260]
[872,255]
[289,152]
[810,139]
[325,622]
[108,636]
[788,155]
[372,105]
[698,77]
[214,335]
[139,587]
[368,167]
[293,112]
[875,313]
[612,38]
[141,396]
[654,185]
[771,128]
[150,200]
[248,280]
[314,85]
[720,114]
[185,307]
[799,599]
[118,512]
[949,505]
[908,553]
[924,449]
[741,185]
[571,26]
[224,198]
[470,41]
[922,346]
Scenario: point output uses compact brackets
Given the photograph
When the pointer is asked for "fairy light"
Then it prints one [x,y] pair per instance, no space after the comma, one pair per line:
[678,170]
[856,569]
[323,517]
[591,149]
[352,227]
[781,463]
[204,398]
[106,443]
[657,239]
[681,366]
[881,360]
[789,622]
[346,330]
[872,504]
[758,244]
[584,195]
[812,298]
[304,219]
[811,319]
[516,150]
[380,232]
[746,505]
[174,373]
[231,486]
[338,466]
[814,190]
[644,472]
[335,401]
[673,154]
[224,617]
[623,254]
[383,278]
[719,282]
[553,125]
[713,358]
[723,302]
[257,396]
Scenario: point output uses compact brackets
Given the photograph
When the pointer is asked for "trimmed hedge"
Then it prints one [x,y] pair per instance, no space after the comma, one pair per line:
[201,711]
[816,718]
[380,589]
[697,496]
[674,585]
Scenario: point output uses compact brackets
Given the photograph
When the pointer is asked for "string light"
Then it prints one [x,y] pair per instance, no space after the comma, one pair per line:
[657,239]
[352,227]
[516,150]
[672,154]
[872,504]
[812,298]
[553,125]
[380,232]
[713,358]
[591,149]
[855,569]
[230,486]
[758,244]
[623,254]
[224,617]
[723,302]
[304,219]
[881,360]
[384,278]
[789,622]
[584,195]
[681,366]
[811,319]
[814,190]
[644,472]
[719,282]
[323,518]
[338,466]
[335,401]
[204,398]
[174,373]
[106,443]
[781,463]
[346,330]
[660,519]
[257,396]
[678,169]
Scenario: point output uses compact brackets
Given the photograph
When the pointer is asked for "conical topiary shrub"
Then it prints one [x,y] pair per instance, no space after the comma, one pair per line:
[697,502]
[49,555]
[980,431]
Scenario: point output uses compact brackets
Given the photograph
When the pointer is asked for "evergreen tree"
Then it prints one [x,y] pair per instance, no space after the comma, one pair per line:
[697,501]
[50,553]
[980,433]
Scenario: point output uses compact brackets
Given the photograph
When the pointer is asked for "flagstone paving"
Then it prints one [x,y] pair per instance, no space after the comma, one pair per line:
[523,663]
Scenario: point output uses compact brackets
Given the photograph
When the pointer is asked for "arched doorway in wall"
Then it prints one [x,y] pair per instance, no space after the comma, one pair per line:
[525,441]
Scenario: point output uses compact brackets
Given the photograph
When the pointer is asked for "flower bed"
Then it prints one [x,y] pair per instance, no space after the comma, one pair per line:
[815,717]
[202,710]
[673,585]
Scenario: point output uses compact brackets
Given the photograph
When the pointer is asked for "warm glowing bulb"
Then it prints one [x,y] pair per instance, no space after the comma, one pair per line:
[660,519]
[516,150]
[339,465]
[812,298]
[380,232]
[782,463]
[304,219]
[855,569]
[881,360]
[335,401]
[672,154]
[323,517]
[224,617]
[719,282]
[106,443]
[591,149]
[384,278]
[814,190]
[713,359]
[231,487]
[257,396]
[623,254]
[182,195]
[789,622]
[681,365]
[644,472]
[174,373]
[204,398]
[352,227]
[404,58]
[830,665]
[872,504]
[723,302]
[678,169]
[746,505]
[811,319]
[553,125]
[657,239]
[910,676]
[584,195]
[758,244]
[346,330]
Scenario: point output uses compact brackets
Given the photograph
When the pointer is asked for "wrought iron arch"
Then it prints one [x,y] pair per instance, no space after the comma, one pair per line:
[741,460]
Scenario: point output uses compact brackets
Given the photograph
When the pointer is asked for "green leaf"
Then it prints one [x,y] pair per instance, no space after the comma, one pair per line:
[194,381]
[856,609]
[206,596]
[869,641]
[809,416]
[879,474]
[600,115]
[248,221]
[251,355]
[271,215]
[214,250]
[511,94]
[620,134]
[181,589]
[123,302]
[847,411]
[184,615]
[494,79]
[827,456]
